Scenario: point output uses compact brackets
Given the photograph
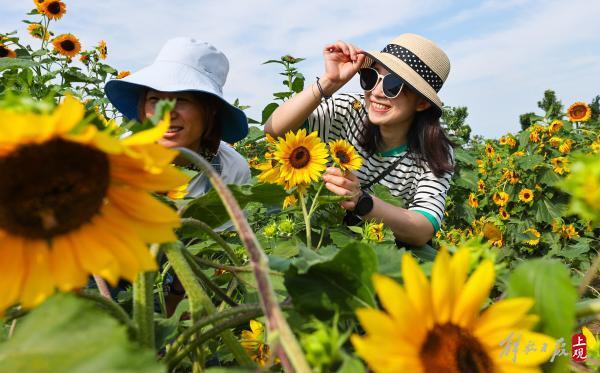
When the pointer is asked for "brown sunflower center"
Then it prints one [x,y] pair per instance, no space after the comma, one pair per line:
[51,188]
[67,45]
[526,195]
[342,156]
[3,51]
[578,112]
[300,157]
[54,7]
[449,348]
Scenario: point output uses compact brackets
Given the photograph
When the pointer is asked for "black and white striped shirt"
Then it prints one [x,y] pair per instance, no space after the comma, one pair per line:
[341,117]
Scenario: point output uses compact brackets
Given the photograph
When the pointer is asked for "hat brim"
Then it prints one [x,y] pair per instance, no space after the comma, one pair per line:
[124,94]
[404,71]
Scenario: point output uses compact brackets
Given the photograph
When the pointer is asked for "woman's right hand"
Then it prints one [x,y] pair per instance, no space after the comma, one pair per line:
[342,62]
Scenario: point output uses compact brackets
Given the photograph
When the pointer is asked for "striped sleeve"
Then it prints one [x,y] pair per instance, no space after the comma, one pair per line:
[430,196]
[333,119]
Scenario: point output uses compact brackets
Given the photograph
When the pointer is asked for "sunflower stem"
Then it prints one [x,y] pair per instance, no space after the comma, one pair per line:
[206,280]
[587,308]
[214,235]
[200,303]
[102,287]
[242,313]
[314,203]
[143,308]
[218,328]
[275,320]
[111,306]
[589,275]
[306,216]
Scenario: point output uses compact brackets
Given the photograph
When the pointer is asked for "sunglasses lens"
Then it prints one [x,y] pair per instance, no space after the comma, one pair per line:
[392,84]
[368,78]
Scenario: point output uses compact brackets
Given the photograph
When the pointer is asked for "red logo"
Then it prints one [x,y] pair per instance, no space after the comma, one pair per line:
[578,347]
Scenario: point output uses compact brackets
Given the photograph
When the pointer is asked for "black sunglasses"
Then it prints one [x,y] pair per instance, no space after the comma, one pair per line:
[391,83]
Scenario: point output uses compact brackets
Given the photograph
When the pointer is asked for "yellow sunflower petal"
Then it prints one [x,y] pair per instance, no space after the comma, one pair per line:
[531,359]
[131,172]
[376,322]
[66,269]
[441,287]
[38,283]
[94,256]
[417,288]
[387,357]
[68,115]
[257,328]
[502,315]
[141,206]
[150,232]
[473,295]
[589,337]
[151,135]
[459,265]
[12,270]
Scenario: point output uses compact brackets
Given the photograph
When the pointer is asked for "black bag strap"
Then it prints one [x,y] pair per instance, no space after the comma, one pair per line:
[385,172]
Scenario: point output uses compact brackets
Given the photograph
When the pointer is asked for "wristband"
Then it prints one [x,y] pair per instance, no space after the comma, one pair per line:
[321,90]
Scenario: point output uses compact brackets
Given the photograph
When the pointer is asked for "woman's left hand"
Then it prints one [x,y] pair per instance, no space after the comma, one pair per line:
[343,184]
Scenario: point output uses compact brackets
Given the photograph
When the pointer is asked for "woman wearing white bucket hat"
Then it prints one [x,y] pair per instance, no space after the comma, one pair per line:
[193,73]
[394,126]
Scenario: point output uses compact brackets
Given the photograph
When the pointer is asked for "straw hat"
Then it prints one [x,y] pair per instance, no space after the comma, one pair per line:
[421,63]
[182,65]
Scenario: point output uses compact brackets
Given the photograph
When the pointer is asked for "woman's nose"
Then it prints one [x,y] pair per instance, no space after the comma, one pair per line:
[378,89]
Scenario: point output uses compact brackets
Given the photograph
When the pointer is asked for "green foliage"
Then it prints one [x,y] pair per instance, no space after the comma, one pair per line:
[551,105]
[341,284]
[454,119]
[50,339]
[548,283]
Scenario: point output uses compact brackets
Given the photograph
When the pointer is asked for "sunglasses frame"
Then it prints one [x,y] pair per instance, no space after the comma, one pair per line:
[381,78]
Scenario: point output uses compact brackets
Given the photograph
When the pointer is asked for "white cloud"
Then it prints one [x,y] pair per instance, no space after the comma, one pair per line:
[498,73]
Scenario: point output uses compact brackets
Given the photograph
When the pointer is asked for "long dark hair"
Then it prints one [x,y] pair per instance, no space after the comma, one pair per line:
[426,141]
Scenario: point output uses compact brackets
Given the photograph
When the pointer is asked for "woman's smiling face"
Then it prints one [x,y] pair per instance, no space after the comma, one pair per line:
[384,111]
[187,118]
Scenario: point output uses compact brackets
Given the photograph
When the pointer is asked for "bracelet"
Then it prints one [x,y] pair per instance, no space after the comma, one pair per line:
[321,90]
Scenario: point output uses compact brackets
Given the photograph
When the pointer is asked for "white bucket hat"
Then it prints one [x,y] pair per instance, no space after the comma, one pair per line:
[418,61]
[183,64]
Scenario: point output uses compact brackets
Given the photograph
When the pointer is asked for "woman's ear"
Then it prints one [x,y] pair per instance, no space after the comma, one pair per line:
[423,104]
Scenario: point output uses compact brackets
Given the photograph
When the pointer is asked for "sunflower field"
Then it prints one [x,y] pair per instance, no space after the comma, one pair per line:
[106,266]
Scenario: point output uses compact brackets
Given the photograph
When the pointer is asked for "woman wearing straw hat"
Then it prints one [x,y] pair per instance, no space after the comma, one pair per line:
[394,126]
[193,73]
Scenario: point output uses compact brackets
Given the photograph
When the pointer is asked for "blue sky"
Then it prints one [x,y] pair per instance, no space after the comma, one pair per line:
[504,54]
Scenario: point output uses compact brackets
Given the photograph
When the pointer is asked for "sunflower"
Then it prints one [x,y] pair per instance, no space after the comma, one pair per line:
[579,112]
[289,201]
[568,232]
[38,31]
[511,141]
[565,147]
[511,176]
[253,341]
[102,50]
[302,158]
[53,9]
[526,195]
[492,233]
[534,136]
[560,165]
[503,140]
[269,171]
[7,52]
[489,150]
[373,231]
[504,215]
[67,45]
[518,153]
[344,155]
[123,74]
[480,186]
[473,201]
[178,192]
[555,126]
[533,236]
[500,198]
[436,326]
[78,202]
